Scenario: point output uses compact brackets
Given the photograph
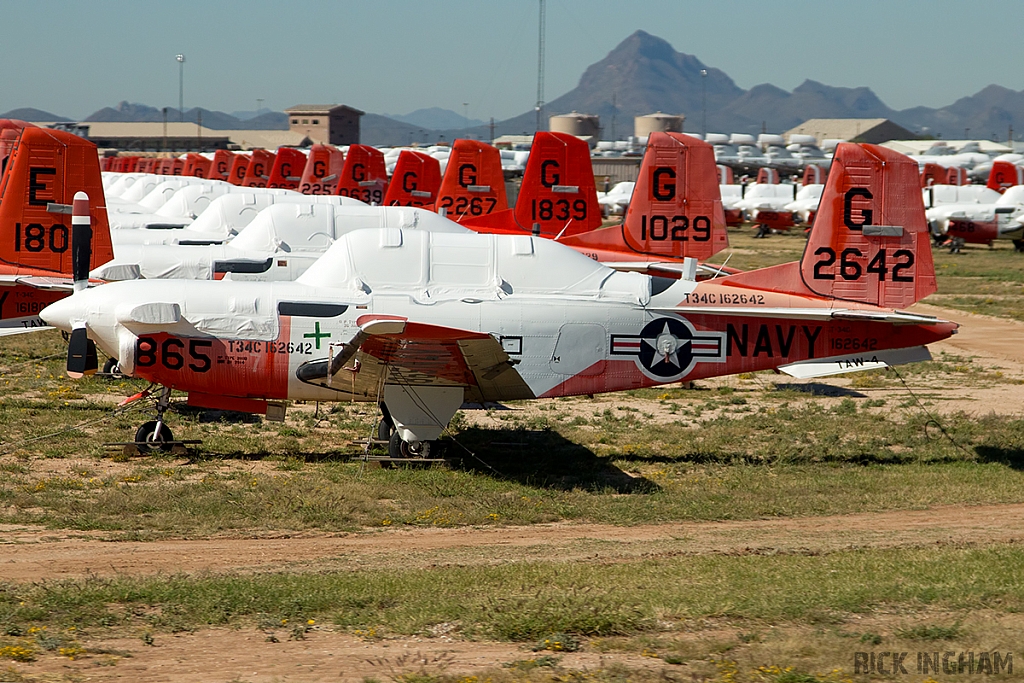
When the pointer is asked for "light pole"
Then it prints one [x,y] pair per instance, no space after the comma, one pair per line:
[181,86]
[704,102]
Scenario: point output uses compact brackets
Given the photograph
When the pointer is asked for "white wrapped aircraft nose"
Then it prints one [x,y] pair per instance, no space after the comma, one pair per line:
[62,314]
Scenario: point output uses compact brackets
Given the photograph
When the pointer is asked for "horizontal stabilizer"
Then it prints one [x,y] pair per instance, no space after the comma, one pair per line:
[893,317]
[857,362]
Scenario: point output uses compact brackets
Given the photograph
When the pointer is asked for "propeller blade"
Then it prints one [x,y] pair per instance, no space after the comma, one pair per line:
[81,354]
[81,241]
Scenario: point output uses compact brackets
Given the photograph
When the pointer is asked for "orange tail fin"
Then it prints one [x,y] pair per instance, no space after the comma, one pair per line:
[725,175]
[287,169]
[957,175]
[365,175]
[47,167]
[8,141]
[767,176]
[221,166]
[15,124]
[127,164]
[933,174]
[814,175]
[258,172]
[415,182]
[197,166]
[558,191]
[239,169]
[676,210]
[322,171]
[1004,175]
[473,184]
[870,241]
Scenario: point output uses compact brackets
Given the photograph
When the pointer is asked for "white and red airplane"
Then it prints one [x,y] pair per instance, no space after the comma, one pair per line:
[423,321]
[985,223]
[42,170]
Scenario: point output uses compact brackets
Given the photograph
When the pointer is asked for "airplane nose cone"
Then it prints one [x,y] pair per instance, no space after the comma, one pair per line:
[63,314]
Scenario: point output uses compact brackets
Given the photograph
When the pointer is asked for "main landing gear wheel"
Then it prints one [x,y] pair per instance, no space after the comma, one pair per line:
[110,367]
[1018,245]
[153,435]
[398,448]
[384,430]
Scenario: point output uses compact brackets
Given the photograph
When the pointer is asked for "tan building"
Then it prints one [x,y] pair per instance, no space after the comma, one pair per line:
[336,124]
[135,136]
[852,130]
[146,136]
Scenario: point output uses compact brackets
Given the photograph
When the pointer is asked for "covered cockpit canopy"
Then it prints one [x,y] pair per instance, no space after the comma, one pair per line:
[437,266]
[293,228]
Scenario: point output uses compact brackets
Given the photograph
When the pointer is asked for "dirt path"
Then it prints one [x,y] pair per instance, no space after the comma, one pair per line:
[981,335]
[220,655]
[33,555]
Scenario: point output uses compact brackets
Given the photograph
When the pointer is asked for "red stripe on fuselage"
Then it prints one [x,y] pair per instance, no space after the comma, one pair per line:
[229,367]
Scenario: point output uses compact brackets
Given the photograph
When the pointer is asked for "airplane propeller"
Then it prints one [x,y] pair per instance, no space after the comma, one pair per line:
[81,354]
[81,350]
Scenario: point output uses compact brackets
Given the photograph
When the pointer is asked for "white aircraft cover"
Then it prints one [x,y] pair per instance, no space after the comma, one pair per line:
[468,266]
[226,216]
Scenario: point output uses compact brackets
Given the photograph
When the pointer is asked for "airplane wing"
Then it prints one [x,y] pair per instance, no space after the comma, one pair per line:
[10,331]
[894,317]
[399,351]
[60,284]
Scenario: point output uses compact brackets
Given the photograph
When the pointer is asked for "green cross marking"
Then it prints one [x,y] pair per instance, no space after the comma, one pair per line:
[317,336]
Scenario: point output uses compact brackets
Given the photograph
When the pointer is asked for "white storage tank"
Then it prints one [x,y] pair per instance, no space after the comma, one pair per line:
[657,122]
[575,123]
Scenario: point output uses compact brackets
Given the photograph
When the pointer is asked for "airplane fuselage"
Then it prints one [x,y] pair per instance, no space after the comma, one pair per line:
[20,306]
[556,345]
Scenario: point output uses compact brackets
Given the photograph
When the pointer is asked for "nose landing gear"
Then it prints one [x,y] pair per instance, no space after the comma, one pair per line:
[155,434]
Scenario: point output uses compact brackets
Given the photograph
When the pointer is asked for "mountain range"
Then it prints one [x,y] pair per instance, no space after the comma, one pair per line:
[435,118]
[641,75]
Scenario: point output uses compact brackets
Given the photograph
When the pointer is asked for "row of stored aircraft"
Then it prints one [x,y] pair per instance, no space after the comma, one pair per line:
[769,202]
[419,313]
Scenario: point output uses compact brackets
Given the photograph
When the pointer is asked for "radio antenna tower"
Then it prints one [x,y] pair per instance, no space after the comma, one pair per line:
[540,66]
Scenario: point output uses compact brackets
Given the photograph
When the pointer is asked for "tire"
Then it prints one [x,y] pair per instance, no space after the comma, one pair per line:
[148,440]
[384,431]
[397,448]
[110,367]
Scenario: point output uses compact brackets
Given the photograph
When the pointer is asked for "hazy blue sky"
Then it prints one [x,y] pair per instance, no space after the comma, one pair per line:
[399,55]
